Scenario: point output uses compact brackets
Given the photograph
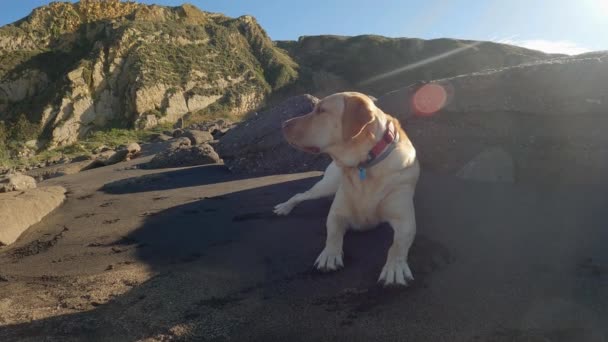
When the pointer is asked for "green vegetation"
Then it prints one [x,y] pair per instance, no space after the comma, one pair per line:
[22,129]
[9,61]
[111,138]
[217,50]
[280,70]
[4,153]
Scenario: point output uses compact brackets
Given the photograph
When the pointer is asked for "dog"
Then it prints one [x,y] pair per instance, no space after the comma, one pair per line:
[373,176]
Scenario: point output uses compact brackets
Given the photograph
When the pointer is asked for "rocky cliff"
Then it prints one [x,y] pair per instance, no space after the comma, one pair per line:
[74,67]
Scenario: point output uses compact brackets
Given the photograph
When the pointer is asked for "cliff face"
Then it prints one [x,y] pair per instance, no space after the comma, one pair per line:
[71,68]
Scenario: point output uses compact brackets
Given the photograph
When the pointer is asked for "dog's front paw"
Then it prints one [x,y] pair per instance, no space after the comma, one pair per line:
[283,209]
[329,260]
[395,272]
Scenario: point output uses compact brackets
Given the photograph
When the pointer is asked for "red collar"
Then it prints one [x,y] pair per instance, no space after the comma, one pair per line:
[380,151]
[387,138]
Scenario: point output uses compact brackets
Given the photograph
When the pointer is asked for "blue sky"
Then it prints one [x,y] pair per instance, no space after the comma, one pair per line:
[567,26]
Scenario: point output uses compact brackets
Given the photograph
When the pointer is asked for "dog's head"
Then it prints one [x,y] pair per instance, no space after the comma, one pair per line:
[338,123]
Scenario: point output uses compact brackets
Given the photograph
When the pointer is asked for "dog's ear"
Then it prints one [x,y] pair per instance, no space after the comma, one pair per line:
[357,114]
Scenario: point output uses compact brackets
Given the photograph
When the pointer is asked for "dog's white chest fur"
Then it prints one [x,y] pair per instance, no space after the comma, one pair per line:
[362,200]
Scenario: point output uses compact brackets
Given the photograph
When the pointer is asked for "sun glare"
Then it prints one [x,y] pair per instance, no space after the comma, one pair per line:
[603,5]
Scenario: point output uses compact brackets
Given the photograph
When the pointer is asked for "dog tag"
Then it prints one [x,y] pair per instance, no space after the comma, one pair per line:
[362,174]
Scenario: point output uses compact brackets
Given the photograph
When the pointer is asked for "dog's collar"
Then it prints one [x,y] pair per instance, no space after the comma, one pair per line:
[381,150]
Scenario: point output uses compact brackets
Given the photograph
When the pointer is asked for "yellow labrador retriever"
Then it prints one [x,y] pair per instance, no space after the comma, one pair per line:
[373,176]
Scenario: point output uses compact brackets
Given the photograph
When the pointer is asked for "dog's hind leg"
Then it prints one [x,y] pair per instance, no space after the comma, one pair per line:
[327,186]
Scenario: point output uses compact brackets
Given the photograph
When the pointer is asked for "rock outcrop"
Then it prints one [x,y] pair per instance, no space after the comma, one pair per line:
[197,137]
[548,116]
[491,165]
[181,156]
[20,210]
[257,146]
[111,157]
[133,65]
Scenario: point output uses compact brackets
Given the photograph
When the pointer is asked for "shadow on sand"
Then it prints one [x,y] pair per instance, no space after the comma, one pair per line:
[226,268]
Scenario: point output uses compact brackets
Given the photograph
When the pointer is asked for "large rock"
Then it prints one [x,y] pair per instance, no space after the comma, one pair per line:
[133,148]
[16,182]
[184,156]
[111,157]
[560,86]
[491,165]
[175,143]
[20,210]
[197,137]
[548,115]
[563,86]
[257,146]
[217,128]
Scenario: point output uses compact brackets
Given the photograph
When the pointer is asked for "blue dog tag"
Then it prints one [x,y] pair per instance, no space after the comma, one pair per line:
[362,174]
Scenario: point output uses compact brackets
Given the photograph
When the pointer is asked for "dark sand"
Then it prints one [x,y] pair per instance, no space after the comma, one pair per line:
[195,254]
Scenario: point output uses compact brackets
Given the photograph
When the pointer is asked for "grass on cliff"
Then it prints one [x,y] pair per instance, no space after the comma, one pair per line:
[111,138]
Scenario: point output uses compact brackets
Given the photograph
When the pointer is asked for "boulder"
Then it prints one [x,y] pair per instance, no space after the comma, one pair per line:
[20,210]
[160,137]
[213,127]
[184,156]
[111,157]
[197,137]
[119,156]
[133,149]
[561,86]
[178,142]
[547,114]
[257,146]
[16,182]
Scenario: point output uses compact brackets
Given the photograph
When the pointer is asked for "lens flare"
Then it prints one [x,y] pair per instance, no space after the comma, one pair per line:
[429,99]
[419,63]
